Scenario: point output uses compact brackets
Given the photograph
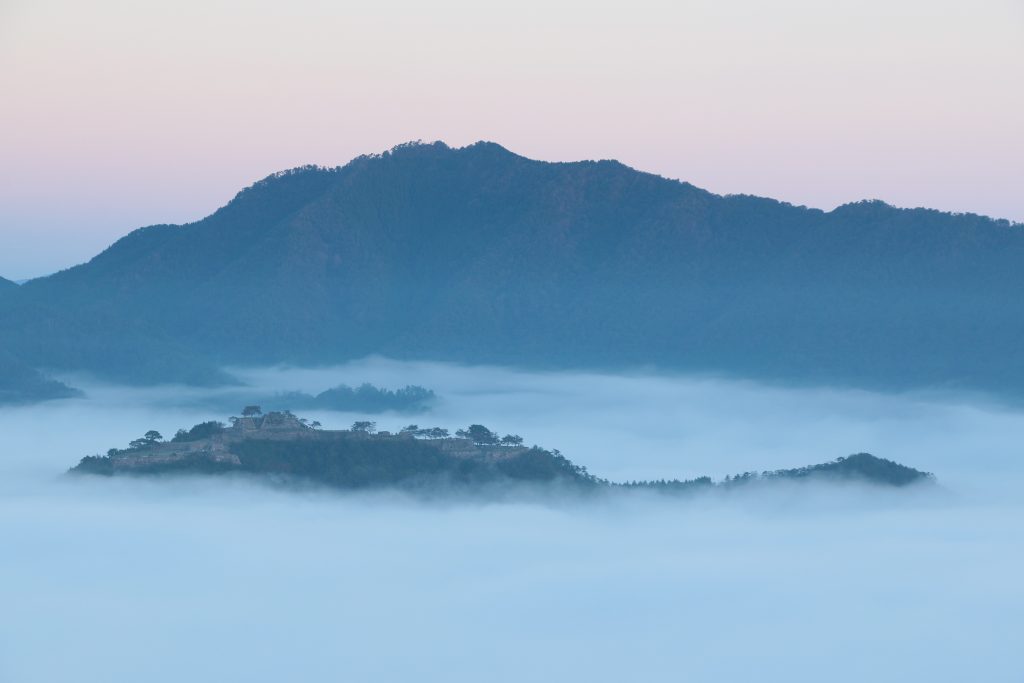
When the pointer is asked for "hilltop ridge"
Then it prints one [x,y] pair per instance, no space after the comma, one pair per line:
[289,449]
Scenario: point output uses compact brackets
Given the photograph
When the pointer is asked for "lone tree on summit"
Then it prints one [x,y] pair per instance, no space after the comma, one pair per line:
[251,411]
[478,434]
[148,439]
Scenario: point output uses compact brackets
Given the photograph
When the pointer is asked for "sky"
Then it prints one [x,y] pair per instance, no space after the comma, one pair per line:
[213,579]
[117,115]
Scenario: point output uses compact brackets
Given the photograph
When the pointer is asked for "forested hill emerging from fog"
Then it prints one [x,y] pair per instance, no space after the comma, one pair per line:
[290,449]
[479,255]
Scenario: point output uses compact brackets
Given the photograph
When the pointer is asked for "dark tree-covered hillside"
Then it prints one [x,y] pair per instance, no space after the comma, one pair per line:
[284,449]
[479,255]
[22,384]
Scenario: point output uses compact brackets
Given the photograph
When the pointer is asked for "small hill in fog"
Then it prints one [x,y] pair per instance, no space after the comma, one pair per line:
[287,449]
[364,398]
[479,255]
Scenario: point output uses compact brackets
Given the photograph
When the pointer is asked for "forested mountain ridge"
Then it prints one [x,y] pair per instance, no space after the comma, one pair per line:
[479,255]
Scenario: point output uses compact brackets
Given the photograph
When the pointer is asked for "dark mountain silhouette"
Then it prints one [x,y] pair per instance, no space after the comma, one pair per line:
[7,288]
[479,255]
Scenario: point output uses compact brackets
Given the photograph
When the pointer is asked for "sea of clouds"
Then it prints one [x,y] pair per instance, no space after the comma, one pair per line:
[218,579]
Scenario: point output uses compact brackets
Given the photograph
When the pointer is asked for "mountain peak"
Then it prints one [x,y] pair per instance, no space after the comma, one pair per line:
[865,208]
[414,147]
[437,148]
[486,146]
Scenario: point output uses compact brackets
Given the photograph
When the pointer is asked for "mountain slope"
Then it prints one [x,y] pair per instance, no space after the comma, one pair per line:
[7,287]
[479,255]
[21,384]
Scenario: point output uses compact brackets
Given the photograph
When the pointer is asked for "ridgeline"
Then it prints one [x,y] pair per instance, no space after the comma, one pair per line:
[478,255]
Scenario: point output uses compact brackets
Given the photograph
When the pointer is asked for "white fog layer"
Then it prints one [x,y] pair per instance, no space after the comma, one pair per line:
[214,579]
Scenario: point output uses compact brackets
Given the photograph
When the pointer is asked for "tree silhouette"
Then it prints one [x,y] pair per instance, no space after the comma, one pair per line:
[478,434]
[148,439]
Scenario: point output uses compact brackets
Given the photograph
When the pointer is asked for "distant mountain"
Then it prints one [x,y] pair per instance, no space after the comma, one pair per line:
[7,285]
[479,255]
[365,398]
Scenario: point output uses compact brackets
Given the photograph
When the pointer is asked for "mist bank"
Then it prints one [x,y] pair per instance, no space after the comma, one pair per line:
[637,426]
[261,584]
[207,579]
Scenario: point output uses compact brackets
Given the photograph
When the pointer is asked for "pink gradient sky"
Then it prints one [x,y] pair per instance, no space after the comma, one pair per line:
[115,115]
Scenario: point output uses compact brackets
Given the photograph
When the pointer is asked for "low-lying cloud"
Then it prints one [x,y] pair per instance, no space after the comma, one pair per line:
[190,579]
